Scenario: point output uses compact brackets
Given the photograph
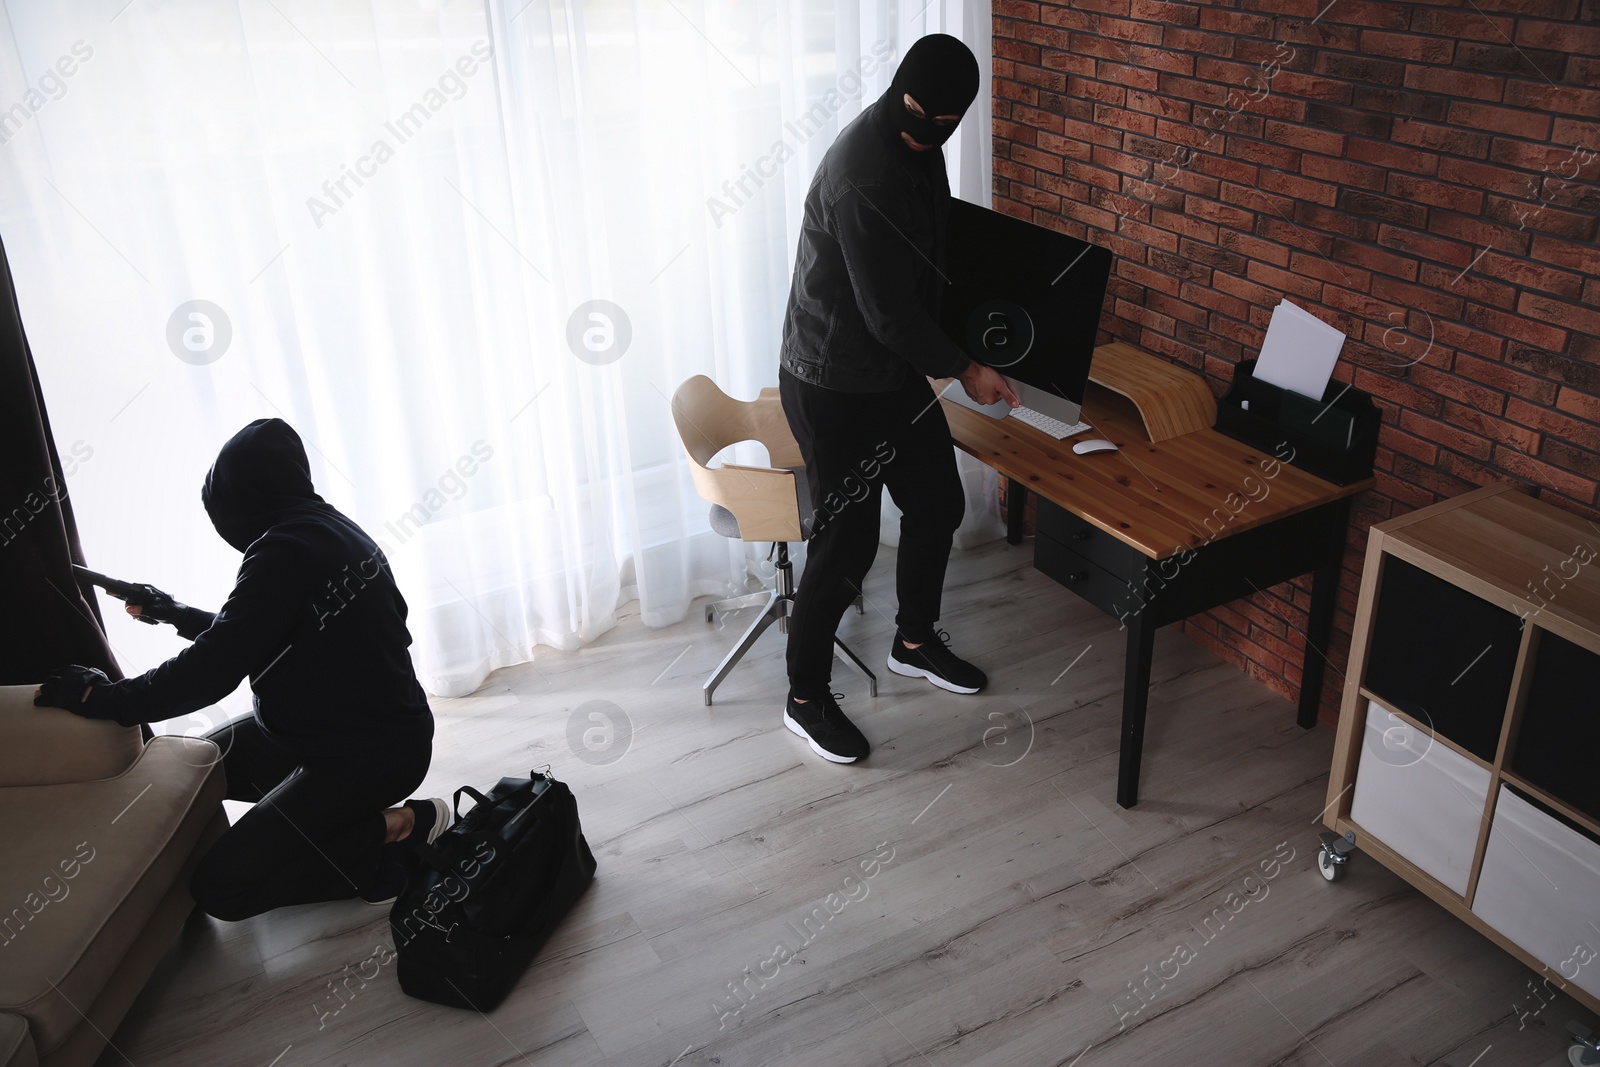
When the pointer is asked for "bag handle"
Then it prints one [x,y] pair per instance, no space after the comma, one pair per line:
[436,857]
[478,797]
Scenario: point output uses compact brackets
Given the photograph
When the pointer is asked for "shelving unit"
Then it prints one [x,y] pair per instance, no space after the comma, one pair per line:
[1468,752]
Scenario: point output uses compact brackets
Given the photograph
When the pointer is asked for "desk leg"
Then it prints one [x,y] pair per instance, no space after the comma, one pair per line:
[1135,694]
[1319,624]
[1016,510]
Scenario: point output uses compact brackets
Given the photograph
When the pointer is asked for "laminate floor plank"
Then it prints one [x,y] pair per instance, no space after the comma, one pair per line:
[971,895]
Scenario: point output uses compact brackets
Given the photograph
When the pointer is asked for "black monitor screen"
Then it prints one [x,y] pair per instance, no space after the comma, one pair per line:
[1023,299]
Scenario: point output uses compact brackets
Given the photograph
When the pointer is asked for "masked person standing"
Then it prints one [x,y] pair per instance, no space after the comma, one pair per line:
[860,339]
[341,728]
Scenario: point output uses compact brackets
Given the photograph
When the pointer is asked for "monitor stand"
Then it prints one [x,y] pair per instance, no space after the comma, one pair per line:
[1172,400]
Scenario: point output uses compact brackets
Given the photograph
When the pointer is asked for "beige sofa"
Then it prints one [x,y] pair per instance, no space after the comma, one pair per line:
[101,832]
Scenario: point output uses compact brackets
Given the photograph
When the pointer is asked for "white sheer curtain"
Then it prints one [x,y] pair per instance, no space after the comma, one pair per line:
[400,216]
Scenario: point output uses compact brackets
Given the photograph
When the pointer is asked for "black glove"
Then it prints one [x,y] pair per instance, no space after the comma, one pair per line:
[65,688]
[155,606]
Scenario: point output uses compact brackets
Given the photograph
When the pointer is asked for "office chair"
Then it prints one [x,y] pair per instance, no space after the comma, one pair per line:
[752,504]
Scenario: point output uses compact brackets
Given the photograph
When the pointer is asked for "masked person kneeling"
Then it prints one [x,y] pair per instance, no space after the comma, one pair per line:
[341,729]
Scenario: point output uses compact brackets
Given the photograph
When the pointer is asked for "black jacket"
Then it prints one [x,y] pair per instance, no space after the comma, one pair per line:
[864,304]
[314,619]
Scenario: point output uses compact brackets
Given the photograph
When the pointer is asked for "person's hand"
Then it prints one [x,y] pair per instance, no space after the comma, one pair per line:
[984,385]
[68,687]
[152,606]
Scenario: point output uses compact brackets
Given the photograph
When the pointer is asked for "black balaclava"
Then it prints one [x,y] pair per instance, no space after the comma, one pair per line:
[260,475]
[941,74]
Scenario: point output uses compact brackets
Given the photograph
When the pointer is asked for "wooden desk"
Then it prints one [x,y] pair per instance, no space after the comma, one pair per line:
[1160,531]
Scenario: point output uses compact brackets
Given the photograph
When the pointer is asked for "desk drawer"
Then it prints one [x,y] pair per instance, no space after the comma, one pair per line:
[1106,591]
[1086,539]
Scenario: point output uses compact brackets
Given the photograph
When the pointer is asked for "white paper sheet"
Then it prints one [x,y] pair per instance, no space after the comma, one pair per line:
[1299,351]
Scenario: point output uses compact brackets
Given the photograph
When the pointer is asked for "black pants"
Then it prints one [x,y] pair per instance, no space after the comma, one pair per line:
[316,830]
[855,445]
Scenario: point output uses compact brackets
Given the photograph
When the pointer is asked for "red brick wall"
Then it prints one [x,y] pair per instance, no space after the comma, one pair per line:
[1421,175]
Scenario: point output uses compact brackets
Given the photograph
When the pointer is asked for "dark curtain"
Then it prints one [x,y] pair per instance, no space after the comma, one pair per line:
[49,621]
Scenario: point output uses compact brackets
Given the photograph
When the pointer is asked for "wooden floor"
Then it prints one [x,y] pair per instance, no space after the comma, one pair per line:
[1011,907]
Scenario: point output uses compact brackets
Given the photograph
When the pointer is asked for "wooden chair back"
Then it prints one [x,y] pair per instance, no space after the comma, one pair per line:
[763,499]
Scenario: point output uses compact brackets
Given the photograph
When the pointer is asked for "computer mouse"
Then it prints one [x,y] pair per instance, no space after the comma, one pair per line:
[1089,448]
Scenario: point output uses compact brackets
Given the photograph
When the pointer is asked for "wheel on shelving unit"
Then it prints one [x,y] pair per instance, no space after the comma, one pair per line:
[1585,1050]
[1330,865]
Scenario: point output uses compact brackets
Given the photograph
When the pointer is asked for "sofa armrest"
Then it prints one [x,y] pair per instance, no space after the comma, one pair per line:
[52,746]
[16,1045]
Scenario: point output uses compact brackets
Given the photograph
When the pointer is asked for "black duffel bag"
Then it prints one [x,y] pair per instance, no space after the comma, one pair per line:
[493,887]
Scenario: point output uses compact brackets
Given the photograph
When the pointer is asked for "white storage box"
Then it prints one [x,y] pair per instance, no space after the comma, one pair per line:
[1419,797]
[1540,887]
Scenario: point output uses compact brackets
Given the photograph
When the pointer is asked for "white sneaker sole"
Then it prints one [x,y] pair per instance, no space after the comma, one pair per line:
[788,721]
[442,817]
[906,670]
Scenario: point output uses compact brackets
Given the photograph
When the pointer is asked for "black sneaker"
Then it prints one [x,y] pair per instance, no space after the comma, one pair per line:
[432,819]
[392,876]
[832,736]
[934,661]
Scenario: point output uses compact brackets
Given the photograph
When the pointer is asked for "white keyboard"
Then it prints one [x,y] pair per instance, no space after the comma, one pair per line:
[1050,427]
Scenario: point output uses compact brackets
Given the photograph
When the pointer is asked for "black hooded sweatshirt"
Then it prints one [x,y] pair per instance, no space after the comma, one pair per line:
[314,619]
[869,270]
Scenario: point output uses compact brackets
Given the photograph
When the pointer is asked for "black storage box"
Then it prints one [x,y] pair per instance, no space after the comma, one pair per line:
[1335,438]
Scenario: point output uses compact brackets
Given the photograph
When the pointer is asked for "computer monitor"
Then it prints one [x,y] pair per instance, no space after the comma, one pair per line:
[1026,301]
